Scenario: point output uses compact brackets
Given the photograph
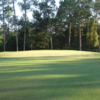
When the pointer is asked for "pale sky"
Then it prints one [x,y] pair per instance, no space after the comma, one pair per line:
[18,12]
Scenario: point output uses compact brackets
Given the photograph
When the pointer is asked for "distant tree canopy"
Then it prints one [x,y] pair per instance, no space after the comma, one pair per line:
[74,25]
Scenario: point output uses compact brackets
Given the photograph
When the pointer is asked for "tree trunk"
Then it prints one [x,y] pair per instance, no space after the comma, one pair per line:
[50,33]
[60,41]
[88,31]
[51,42]
[80,36]
[4,40]
[15,27]
[24,38]
[69,35]
[25,28]
[88,26]
[3,24]
[8,26]
[99,41]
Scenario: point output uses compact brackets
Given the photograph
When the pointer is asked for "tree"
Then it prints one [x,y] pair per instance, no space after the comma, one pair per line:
[65,12]
[25,6]
[41,36]
[92,36]
[3,4]
[8,13]
[15,27]
[97,10]
[81,12]
[99,35]
[1,38]
[47,9]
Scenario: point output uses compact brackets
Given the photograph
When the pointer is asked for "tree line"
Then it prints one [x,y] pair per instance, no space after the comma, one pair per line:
[73,25]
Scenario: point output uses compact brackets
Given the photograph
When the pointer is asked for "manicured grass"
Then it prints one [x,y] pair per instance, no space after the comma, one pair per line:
[49,75]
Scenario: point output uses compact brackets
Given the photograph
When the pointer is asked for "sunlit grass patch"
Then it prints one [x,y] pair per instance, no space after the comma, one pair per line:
[46,53]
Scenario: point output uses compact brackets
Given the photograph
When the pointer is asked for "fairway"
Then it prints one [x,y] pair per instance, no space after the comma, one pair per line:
[49,75]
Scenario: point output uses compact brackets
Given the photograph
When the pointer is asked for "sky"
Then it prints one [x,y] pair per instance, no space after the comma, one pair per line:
[29,14]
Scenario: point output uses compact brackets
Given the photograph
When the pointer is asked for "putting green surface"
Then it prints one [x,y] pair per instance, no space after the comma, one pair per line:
[49,75]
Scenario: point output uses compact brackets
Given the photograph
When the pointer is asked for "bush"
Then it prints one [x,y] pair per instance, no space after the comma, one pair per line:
[95,50]
[1,46]
[65,47]
[11,43]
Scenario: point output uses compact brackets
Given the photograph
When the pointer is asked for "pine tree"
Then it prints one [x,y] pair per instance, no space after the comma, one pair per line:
[3,4]
[8,13]
[15,26]
[97,11]
[47,9]
[81,13]
[65,12]
[25,5]
[92,36]
[99,35]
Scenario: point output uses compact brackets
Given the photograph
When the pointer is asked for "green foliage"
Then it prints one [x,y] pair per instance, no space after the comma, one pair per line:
[25,5]
[1,39]
[11,43]
[92,36]
[43,41]
[1,45]
[65,47]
